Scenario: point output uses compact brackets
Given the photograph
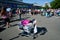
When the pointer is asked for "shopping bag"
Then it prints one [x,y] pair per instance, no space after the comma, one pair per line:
[35,29]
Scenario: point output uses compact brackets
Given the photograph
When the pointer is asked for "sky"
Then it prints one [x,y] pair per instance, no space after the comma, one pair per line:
[39,2]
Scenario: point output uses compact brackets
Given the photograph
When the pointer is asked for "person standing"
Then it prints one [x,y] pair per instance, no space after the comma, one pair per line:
[5,16]
[18,11]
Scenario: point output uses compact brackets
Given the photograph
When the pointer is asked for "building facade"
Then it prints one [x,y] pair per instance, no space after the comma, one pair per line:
[15,4]
[19,0]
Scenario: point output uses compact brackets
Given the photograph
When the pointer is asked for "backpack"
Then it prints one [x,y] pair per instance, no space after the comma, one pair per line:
[25,22]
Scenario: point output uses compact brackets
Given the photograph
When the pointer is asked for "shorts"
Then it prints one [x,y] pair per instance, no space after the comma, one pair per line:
[7,20]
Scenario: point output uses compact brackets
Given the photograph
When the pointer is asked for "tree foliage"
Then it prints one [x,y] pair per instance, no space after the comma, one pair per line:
[55,4]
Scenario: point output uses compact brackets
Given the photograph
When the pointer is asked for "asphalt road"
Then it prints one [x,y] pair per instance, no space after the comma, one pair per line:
[52,25]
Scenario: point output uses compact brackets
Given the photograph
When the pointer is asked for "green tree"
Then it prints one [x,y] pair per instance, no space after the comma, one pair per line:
[55,4]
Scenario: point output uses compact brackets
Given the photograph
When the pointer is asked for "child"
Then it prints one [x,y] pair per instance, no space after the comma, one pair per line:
[27,25]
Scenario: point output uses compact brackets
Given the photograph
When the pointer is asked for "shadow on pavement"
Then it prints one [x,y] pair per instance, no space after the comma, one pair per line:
[0,39]
[14,38]
[2,29]
[3,23]
[13,25]
[3,26]
[19,19]
[41,31]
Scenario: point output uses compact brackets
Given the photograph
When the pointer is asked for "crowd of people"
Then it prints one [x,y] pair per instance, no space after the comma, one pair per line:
[50,12]
[6,13]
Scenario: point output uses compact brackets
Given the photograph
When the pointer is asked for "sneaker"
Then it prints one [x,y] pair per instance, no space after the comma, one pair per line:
[34,37]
